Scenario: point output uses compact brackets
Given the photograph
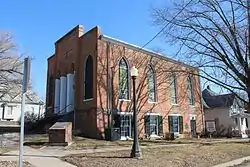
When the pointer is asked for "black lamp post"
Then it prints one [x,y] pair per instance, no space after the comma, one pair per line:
[136,151]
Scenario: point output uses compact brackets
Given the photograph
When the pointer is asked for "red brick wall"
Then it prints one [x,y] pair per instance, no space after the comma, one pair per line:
[109,56]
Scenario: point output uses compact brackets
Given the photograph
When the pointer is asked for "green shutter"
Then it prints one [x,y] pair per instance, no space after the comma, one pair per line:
[147,124]
[170,124]
[180,124]
[160,125]
[117,121]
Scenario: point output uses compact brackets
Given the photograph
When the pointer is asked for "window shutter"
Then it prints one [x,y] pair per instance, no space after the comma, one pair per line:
[160,125]
[147,124]
[170,124]
[117,121]
[180,124]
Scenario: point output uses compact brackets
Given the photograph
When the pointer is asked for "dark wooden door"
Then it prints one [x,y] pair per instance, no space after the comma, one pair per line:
[193,127]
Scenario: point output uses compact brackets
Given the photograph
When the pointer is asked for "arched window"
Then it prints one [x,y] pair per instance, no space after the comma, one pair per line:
[88,80]
[191,90]
[173,89]
[151,85]
[123,79]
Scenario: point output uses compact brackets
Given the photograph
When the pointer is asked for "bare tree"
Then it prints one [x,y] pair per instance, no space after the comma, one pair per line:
[10,67]
[212,35]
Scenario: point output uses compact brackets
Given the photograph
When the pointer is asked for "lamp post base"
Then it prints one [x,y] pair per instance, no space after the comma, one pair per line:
[136,155]
[136,151]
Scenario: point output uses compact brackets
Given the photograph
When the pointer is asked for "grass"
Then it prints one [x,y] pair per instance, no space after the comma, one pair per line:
[4,150]
[36,140]
[182,156]
[39,140]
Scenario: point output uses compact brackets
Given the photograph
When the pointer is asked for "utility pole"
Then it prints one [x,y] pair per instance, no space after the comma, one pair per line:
[26,76]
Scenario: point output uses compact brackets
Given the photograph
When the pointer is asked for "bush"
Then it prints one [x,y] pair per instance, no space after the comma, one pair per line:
[30,117]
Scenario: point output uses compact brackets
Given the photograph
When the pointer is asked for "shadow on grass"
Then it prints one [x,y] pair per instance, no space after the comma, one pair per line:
[35,143]
[108,157]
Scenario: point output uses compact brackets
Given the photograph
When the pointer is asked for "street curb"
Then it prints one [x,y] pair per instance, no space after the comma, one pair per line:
[234,162]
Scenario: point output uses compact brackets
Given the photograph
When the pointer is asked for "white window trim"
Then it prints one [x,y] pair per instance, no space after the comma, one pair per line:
[174,115]
[152,102]
[156,114]
[177,133]
[152,113]
[126,100]
[192,116]
[90,99]
[125,113]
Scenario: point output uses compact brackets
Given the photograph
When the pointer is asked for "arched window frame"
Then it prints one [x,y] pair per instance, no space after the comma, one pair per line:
[152,88]
[191,98]
[173,89]
[88,78]
[124,94]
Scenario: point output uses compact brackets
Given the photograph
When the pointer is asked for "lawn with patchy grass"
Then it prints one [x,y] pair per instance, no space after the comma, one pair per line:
[84,143]
[198,155]
[4,150]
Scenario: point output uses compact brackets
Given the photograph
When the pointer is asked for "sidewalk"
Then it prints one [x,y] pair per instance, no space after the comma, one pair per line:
[36,158]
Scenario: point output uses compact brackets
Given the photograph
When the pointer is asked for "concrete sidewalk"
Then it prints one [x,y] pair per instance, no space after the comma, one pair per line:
[236,162]
[36,158]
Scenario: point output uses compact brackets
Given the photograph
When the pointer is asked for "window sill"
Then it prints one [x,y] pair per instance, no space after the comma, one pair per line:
[152,102]
[85,100]
[125,100]
[175,104]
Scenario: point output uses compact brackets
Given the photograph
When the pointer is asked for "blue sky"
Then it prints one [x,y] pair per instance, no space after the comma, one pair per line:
[36,25]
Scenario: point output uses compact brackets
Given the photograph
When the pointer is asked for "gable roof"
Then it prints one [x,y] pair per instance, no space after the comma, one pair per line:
[15,96]
[213,100]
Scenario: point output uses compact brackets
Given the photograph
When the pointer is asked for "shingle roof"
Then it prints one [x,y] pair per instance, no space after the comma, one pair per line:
[14,95]
[212,100]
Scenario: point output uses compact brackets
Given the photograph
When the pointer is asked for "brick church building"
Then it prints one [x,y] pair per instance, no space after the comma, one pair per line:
[89,74]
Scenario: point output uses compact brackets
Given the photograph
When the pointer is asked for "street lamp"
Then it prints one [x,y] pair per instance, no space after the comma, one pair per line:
[136,151]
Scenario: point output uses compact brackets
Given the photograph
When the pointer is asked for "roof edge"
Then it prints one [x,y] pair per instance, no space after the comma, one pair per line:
[147,51]
[73,29]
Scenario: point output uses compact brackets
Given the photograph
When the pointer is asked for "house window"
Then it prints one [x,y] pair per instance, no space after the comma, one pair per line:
[173,89]
[10,110]
[88,85]
[124,122]
[153,125]
[190,90]
[126,125]
[151,85]
[175,124]
[123,79]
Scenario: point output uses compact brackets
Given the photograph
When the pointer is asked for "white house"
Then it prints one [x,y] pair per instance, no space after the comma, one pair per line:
[227,113]
[10,105]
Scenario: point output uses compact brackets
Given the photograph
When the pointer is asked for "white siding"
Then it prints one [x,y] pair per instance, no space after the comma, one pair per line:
[222,114]
[16,112]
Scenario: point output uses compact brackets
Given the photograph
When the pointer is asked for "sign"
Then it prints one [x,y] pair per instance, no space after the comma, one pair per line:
[210,126]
